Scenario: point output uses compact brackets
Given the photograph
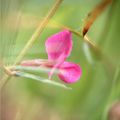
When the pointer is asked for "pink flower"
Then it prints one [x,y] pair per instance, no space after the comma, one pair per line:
[58,47]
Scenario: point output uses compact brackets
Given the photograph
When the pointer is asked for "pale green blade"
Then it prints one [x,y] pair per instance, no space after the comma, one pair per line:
[43,80]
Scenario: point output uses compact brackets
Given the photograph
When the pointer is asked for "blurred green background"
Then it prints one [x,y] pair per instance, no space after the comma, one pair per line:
[99,86]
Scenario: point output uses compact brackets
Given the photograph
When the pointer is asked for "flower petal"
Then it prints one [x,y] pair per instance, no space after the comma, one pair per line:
[70,72]
[59,44]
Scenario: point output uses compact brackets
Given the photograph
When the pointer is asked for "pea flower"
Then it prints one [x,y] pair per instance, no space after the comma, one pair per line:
[58,48]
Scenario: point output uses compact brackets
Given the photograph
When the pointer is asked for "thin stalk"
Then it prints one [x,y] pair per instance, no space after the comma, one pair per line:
[38,31]
[85,38]
[34,37]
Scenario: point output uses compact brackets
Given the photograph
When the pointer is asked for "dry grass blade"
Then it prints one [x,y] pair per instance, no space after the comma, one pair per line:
[35,35]
[94,14]
[38,31]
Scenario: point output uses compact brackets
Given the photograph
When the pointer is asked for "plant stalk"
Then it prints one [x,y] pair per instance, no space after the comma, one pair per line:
[34,37]
[38,31]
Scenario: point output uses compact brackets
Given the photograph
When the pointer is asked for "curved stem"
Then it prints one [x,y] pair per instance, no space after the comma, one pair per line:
[79,34]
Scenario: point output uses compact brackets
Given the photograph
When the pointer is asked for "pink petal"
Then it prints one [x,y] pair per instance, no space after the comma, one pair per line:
[59,44]
[70,72]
